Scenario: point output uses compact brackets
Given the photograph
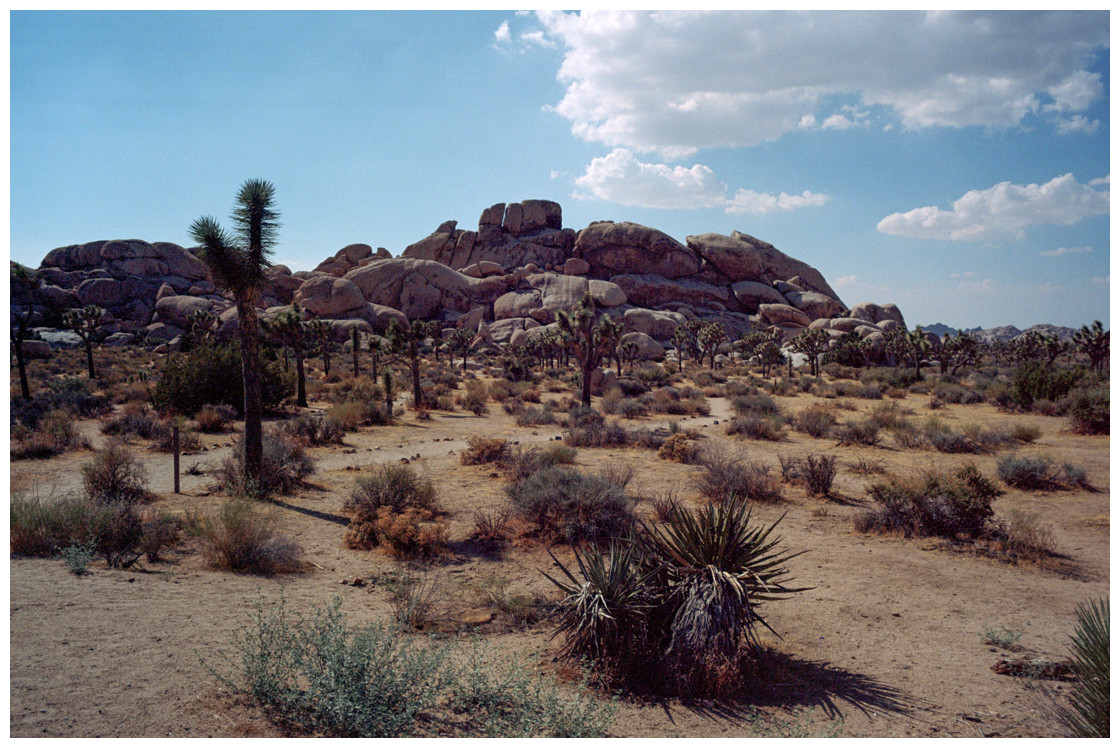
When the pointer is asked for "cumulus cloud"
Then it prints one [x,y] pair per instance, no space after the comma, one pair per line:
[621,177]
[674,82]
[1076,123]
[501,34]
[1101,281]
[1066,251]
[1002,212]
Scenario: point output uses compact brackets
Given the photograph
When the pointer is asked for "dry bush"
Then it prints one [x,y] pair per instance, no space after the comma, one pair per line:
[535,416]
[867,466]
[1024,535]
[564,504]
[239,538]
[491,529]
[482,450]
[393,486]
[725,476]
[214,419]
[115,475]
[412,534]
[815,472]
[679,447]
[863,433]
[816,420]
[754,426]
[933,504]
[284,465]
[54,434]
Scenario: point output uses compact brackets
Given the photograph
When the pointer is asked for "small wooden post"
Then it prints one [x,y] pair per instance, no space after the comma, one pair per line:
[175,451]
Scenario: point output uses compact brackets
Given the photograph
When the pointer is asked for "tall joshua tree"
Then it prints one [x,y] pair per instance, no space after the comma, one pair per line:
[1093,342]
[589,339]
[84,322]
[238,261]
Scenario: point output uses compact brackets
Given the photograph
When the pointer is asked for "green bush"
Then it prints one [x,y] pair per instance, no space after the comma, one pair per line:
[1089,410]
[393,486]
[324,678]
[211,375]
[565,504]
[1039,381]
[754,426]
[933,504]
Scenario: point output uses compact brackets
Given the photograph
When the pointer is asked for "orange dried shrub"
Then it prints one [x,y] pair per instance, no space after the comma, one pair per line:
[412,533]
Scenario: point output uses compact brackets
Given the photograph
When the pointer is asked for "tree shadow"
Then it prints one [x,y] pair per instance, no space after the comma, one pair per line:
[335,518]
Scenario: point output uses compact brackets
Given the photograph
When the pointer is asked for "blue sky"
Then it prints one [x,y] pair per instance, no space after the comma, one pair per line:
[954,164]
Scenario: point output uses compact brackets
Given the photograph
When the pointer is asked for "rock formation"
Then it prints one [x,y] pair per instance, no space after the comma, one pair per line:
[506,280]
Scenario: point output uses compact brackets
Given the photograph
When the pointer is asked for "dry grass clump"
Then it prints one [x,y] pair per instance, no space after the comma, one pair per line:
[535,415]
[313,431]
[53,434]
[1024,536]
[755,426]
[815,472]
[115,475]
[238,537]
[413,533]
[482,450]
[858,433]
[214,419]
[726,476]
[491,529]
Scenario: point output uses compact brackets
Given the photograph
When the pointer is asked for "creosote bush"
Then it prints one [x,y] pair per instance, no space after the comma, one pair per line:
[815,472]
[1039,473]
[1089,411]
[482,450]
[725,476]
[115,475]
[284,465]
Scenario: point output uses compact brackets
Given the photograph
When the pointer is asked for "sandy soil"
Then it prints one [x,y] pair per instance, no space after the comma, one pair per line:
[887,643]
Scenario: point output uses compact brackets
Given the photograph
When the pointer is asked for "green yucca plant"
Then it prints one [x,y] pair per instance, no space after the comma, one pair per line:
[1087,715]
[719,569]
[605,617]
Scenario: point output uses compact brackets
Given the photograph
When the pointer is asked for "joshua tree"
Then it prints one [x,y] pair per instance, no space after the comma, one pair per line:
[355,346]
[84,322]
[958,351]
[460,341]
[201,326]
[238,262]
[766,345]
[1093,342]
[320,332]
[589,339]
[1052,348]
[377,347]
[628,351]
[812,343]
[387,385]
[1027,347]
[407,340]
[24,282]
[710,337]
[918,346]
[288,328]
[434,330]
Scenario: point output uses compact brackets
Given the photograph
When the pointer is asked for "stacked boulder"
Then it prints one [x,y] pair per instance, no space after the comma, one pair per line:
[506,281]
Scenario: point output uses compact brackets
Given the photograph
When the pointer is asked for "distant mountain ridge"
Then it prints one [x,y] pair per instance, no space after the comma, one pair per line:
[1005,332]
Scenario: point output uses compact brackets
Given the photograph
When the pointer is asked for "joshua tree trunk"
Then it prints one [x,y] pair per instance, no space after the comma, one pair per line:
[89,357]
[21,364]
[354,341]
[301,380]
[251,380]
[414,364]
[387,383]
[585,394]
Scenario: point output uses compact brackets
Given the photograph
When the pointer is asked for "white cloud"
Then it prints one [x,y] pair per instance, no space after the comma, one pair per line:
[984,286]
[537,37]
[1099,281]
[1002,212]
[1048,288]
[845,281]
[501,34]
[1066,251]
[1076,123]
[965,274]
[749,201]
[621,178]
[674,82]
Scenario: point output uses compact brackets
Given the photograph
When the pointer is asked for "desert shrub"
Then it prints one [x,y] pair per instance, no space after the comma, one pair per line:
[284,465]
[815,472]
[1087,715]
[322,677]
[632,408]
[491,529]
[41,526]
[189,440]
[535,416]
[908,436]
[558,454]
[115,475]
[310,431]
[867,466]
[987,439]
[955,393]
[135,420]
[394,487]
[679,447]
[413,533]
[857,433]
[753,426]
[513,407]
[214,419]
[564,504]
[653,374]
[617,474]
[861,391]
[932,504]
[596,435]
[725,476]
[356,389]
[1089,411]
[1024,433]
[897,377]
[499,390]
[1024,535]
[210,375]
[474,399]
[159,530]
[759,404]
[349,415]
[889,415]
[1039,473]
[950,442]
[237,537]
[482,450]
[816,420]
[77,557]
[53,435]
[1038,381]
[69,394]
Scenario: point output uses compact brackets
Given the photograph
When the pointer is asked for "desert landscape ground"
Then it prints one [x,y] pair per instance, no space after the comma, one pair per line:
[895,637]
